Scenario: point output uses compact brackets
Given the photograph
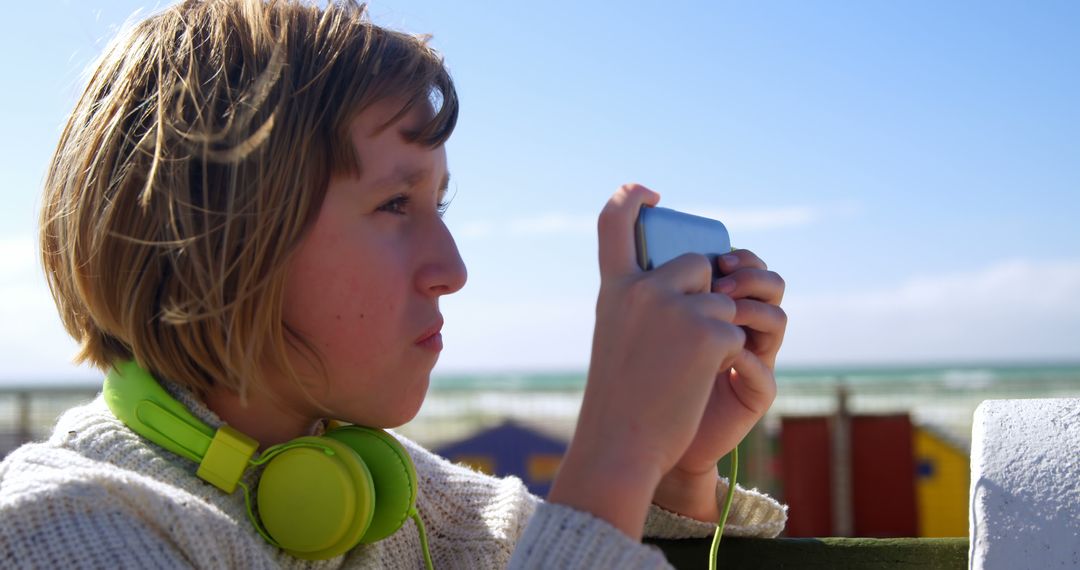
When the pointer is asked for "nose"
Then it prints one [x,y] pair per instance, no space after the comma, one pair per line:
[443,271]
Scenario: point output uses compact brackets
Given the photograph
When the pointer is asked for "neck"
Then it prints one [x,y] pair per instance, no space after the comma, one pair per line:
[269,420]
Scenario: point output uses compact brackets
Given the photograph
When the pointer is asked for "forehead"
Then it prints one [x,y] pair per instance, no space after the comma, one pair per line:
[382,149]
[376,119]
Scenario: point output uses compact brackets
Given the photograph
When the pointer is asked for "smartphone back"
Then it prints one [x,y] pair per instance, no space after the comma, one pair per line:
[663,234]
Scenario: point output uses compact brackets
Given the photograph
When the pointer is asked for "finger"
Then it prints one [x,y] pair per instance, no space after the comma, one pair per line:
[738,259]
[712,306]
[730,342]
[688,273]
[763,317]
[753,383]
[618,251]
[765,326]
[765,286]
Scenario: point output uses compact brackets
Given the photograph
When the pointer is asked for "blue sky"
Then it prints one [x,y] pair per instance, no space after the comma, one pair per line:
[911,168]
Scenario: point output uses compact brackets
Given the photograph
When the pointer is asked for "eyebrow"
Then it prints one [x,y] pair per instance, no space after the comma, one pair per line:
[411,177]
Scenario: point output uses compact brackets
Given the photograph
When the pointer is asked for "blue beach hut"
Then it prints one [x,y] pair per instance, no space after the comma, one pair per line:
[511,449]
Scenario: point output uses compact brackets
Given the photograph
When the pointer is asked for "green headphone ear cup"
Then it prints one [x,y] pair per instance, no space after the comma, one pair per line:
[316,498]
[393,475]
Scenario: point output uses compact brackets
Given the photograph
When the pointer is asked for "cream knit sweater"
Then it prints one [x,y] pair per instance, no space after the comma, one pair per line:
[96,495]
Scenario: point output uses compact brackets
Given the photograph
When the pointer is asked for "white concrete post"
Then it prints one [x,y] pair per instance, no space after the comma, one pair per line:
[1025,485]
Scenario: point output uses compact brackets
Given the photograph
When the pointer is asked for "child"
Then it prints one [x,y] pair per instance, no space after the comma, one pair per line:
[244,210]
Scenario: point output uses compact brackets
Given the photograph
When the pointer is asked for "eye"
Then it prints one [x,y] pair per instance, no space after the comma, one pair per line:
[399,205]
[396,205]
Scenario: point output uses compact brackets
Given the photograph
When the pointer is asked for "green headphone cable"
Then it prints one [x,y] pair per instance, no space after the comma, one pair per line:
[251,515]
[423,538]
[727,507]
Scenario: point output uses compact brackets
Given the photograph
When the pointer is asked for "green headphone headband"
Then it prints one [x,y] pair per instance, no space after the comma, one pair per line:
[318,496]
[135,397]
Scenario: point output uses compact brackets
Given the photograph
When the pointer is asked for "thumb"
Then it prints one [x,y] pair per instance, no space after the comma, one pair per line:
[618,251]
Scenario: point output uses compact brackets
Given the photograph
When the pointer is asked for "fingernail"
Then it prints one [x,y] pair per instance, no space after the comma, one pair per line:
[730,260]
[725,285]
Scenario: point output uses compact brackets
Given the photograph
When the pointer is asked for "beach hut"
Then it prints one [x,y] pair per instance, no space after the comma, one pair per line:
[511,448]
[872,476]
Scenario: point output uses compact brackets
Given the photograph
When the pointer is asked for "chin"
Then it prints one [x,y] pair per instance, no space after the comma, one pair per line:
[391,417]
[389,422]
[410,412]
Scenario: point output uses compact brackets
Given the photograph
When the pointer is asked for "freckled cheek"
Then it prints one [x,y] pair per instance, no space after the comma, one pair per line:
[361,294]
[367,307]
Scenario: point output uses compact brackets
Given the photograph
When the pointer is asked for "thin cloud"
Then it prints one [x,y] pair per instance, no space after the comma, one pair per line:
[742,220]
[564,224]
[475,230]
[33,344]
[18,256]
[23,291]
[758,220]
[553,224]
[548,224]
[1013,309]
[537,330]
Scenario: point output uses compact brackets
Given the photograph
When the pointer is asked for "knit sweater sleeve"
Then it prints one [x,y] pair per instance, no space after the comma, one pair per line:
[752,514]
[38,517]
[478,521]
[561,537]
[61,512]
[97,496]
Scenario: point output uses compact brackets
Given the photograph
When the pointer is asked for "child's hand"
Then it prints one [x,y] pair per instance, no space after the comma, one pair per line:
[661,340]
[740,396]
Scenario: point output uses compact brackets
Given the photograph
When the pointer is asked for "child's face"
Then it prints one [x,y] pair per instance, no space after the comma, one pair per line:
[364,285]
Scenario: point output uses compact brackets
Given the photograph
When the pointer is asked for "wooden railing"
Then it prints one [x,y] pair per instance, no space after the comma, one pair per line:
[28,413]
[821,553]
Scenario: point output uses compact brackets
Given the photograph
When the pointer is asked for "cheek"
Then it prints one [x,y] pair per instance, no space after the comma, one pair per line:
[345,300]
[313,300]
[347,287]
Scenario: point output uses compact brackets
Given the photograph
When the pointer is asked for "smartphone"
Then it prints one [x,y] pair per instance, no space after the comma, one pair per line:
[662,234]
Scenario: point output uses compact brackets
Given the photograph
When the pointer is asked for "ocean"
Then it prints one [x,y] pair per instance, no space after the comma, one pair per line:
[940,397]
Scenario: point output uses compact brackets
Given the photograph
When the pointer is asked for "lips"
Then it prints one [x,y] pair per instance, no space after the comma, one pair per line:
[430,331]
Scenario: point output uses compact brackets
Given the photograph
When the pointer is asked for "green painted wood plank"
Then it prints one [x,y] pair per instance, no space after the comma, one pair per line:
[848,553]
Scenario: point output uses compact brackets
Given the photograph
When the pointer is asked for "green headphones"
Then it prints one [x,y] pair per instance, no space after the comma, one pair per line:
[318,496]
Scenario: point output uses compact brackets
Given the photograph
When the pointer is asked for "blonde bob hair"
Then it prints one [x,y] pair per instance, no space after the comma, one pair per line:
[193,163]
